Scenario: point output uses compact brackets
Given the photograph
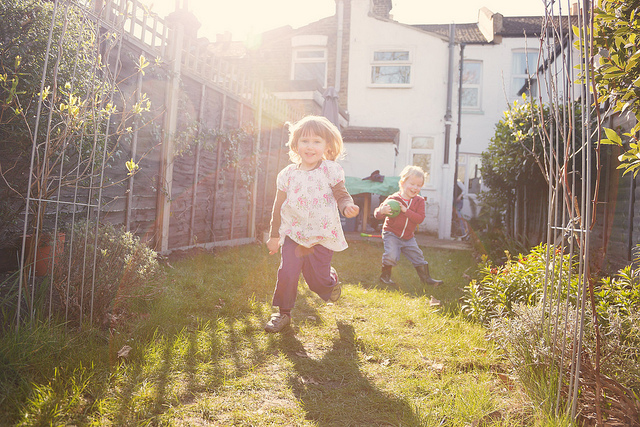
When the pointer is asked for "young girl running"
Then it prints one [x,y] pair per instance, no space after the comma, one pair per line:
[305,220]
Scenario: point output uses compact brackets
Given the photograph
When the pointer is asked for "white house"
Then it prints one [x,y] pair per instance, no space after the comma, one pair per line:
[408,77]
[398,88]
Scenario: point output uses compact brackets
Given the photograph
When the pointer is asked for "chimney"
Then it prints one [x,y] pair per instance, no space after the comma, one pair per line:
[574,9]
[381,8]
[490,25]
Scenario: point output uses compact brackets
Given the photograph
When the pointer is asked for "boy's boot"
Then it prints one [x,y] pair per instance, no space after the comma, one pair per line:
[423,273]
[385,277]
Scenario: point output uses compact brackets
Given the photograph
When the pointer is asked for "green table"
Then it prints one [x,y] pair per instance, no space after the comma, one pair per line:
[367,187]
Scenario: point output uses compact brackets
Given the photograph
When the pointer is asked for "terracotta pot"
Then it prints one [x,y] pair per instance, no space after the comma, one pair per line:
[44,253]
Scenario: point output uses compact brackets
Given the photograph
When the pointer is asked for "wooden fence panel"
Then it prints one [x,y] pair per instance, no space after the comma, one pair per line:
[212,188]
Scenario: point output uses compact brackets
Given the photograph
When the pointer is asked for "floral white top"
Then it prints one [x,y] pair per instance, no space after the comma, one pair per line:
[310,213]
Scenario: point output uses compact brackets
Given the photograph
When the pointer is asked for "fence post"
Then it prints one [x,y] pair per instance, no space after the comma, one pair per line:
[256,151]
[167,157]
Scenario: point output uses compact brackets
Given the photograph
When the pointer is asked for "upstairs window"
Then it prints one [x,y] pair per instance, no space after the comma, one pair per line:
[391,68]
[523,74]
[310,64]
[471,85]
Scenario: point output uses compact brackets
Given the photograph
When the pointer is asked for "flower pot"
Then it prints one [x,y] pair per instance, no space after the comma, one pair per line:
[44,253]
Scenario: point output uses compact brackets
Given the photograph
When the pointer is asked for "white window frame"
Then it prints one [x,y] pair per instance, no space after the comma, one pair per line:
[531,61]
[465,161]
[295,60]
[473,86]
[429,178]
[408,62]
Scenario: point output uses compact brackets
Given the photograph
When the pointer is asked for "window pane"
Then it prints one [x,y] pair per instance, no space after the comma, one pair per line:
[301,54]
[422,142]
[424,161]
[475,179]
[523,63]
[391,56]
[471,73]
[520,86]
[310,71]
[470,97]
[391,74]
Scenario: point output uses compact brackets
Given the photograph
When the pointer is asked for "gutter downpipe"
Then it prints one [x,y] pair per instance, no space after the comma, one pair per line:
[445,211]
[340,36]
[447,117]
[459,136]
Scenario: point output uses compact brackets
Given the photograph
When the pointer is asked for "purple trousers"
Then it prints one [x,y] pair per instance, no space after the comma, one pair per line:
[315,265]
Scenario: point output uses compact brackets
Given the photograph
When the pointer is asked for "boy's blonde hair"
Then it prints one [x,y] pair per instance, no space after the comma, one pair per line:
[410,171]
[317,125]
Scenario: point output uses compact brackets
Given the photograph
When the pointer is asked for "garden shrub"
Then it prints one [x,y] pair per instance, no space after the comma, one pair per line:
[539,338]
[125,270]
[540,345]
[519,280]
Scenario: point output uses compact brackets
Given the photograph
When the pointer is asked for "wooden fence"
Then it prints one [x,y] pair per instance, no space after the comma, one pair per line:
[210,148]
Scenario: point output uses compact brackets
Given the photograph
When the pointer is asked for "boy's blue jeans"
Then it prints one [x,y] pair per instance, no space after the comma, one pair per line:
[395,246]
[314,264]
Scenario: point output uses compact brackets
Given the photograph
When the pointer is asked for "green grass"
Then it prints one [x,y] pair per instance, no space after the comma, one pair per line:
[377,357]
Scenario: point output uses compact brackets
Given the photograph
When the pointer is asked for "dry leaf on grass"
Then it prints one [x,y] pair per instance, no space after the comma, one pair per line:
[124,351]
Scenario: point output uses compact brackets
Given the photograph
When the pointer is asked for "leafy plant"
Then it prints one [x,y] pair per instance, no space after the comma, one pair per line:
[516,163]
[102,270]
[520,280]
[616,32]
[539,347]
[57,112]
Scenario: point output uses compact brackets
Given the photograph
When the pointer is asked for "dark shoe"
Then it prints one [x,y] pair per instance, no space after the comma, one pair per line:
[337,289]
[277,322]
[385,277]
[423,273]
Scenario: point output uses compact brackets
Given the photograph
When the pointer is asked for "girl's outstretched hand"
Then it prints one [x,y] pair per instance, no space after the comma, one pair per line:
[273,244]
[351,211]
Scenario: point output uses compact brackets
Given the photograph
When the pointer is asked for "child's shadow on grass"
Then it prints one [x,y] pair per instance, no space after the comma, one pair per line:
[334,391]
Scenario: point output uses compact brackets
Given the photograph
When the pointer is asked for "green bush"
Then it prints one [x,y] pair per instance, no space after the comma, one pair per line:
[519,280]
[539,339]
[103,269]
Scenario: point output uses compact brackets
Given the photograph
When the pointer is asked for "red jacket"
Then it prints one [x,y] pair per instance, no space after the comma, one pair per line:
[405,223]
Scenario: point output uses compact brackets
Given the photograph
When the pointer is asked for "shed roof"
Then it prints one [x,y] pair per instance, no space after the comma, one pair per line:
[370,134]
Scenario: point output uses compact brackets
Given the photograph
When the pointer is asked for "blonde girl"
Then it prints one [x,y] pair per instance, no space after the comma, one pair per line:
[305,220]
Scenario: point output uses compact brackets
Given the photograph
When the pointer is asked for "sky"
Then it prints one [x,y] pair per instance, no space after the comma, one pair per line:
[243,18]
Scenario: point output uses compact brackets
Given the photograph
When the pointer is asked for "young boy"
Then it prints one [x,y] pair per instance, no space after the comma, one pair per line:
[397,231]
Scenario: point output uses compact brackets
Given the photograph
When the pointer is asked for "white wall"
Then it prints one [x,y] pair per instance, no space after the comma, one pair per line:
[417,110]
[365,157]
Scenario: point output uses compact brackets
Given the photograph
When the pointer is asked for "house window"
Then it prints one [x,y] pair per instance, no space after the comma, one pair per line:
[422,148]
[471,85]
[523,74]
[469,173]
[391,67]
[310,64]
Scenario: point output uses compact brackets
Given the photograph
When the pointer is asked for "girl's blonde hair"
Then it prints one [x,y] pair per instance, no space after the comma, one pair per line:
[317,125]
[412,170]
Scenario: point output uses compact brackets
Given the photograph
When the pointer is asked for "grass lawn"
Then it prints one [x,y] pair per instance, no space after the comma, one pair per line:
[199,355]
